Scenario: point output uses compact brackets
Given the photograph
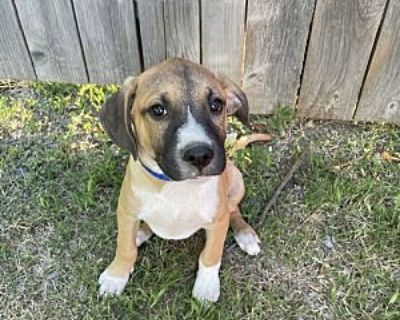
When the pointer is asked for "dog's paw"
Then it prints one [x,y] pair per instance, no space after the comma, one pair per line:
[142,237]
[207,285]
[206,290]
[249,242]
[111,285]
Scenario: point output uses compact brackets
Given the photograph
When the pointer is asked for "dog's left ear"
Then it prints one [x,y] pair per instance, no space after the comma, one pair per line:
[237,103]
[115,117]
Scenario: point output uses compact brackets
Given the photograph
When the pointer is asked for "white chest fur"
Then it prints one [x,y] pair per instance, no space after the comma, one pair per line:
[180,208]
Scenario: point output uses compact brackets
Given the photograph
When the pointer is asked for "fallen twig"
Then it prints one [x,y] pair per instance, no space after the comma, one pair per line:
[278,191]
[348,163]
[282,185]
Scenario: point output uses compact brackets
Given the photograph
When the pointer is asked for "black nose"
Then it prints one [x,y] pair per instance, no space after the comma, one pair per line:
[199,156]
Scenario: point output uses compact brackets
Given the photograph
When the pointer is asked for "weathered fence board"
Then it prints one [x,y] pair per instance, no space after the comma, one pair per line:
[380,99]
[14,56]
[109,39]
[151,20]
[222,36]
[277,34]
[342,38]
[182,29]
[53,40]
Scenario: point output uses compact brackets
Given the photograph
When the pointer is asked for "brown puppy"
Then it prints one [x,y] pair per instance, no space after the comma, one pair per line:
[172,118]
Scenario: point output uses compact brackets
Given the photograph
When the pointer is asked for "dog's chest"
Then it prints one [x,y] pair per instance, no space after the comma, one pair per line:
[180,208]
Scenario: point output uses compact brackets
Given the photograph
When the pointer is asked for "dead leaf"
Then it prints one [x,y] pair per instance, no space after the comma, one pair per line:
[242,142]
[386,156]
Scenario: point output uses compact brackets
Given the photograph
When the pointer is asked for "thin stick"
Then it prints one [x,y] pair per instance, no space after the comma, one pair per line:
[282,185]
[348,163]
[278,191]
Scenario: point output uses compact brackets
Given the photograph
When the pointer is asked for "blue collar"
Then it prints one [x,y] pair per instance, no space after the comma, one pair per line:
[159,176]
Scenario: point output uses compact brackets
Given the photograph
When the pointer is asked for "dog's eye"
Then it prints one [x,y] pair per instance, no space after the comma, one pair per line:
[158,111]
[216,105]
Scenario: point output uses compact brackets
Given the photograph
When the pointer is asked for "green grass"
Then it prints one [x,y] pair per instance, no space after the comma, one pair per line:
[330,247]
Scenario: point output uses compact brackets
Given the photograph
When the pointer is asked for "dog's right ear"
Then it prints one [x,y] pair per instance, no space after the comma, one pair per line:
[115,117]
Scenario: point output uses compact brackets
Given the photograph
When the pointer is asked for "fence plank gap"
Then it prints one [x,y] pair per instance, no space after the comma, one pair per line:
[380,98]
[52,37]
[15,61]
[277,33]
[109,39]
[342,38]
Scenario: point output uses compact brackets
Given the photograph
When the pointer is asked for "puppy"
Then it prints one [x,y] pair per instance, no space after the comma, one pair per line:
[172,118]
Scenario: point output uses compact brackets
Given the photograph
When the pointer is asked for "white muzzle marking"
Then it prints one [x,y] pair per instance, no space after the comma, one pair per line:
[191,132]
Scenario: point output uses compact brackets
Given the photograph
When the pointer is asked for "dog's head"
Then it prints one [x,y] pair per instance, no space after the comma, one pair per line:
[173,118]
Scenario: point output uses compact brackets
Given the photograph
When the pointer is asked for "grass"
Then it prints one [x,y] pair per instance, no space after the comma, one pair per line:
[331,246]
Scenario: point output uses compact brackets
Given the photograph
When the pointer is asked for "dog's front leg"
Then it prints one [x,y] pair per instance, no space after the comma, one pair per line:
[207,285]
[114,279]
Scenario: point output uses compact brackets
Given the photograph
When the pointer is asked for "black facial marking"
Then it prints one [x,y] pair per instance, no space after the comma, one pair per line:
[203,118]
[166,156]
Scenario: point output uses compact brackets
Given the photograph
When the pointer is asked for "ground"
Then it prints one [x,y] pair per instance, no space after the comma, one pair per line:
[330,246]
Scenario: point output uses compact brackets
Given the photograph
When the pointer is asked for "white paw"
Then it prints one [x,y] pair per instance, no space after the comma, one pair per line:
[249,242]
[206,287]
[142,237]
[110,285]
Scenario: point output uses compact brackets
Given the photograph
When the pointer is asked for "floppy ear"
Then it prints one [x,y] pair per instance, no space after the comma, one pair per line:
[115,117]
[237,103]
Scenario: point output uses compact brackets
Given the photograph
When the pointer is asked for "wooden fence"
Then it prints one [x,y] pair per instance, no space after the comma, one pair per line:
[330,59]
